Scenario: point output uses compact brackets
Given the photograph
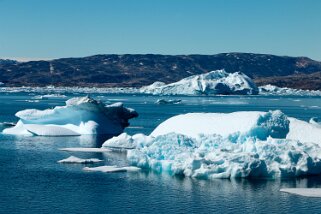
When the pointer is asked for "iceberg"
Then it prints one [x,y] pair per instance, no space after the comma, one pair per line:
[216,82]
[241,144]
[284,91]
[73,159]
[80,116]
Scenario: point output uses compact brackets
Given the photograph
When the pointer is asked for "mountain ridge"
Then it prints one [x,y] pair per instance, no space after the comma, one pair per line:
[135,70]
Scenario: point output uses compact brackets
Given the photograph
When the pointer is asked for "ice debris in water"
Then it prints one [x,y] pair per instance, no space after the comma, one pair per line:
[80,115]
[240,144]
[164,102]
[109,169]
[307,192]
[73,159]
[284,91]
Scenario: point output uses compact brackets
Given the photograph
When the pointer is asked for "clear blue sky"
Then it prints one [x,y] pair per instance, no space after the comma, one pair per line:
[64,28]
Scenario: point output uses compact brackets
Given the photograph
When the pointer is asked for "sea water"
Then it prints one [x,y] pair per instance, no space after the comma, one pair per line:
[31,180]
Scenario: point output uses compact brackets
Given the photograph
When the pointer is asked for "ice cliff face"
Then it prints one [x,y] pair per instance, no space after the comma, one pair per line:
[212,83]
[82,115]
[241,144]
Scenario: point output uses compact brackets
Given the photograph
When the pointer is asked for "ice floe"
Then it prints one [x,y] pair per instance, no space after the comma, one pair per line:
[73,159]
[110,169]
[82,149]
[81,115]
[307,192]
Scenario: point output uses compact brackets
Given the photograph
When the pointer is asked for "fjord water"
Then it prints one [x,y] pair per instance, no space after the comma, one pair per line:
[32,181]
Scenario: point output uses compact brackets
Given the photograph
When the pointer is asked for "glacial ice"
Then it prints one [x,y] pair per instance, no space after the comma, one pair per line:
[284,91]
[212,83]
[82,115]
[160,88]
[315,121]
[240,144]
[73,159]
[254,123]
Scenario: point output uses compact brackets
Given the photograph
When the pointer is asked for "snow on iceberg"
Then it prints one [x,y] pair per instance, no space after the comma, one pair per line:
[241,144]
[125,141]
[256,124]
[73,159]
[81,115]
[212,83]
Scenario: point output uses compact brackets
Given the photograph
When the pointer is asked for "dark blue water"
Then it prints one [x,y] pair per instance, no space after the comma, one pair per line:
[31,180]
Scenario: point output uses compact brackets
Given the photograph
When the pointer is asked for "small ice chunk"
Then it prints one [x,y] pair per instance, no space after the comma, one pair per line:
[164,102]
[307,192]
[73,159]
[123,141]
[85,149]
[112,169]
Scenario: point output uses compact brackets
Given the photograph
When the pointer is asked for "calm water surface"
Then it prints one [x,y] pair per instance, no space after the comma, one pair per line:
[31,180]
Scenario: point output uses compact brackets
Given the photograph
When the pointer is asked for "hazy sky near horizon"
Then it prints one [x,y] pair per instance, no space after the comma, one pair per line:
[35,29]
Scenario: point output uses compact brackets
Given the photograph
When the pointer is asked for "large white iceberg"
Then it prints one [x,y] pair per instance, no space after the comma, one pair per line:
[240,144]
[212,83]
[81,115]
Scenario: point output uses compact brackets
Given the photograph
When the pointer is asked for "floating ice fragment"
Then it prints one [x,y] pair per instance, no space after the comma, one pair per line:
[110,169]
[85,149]
[73,159]
[164,102]
[307,192]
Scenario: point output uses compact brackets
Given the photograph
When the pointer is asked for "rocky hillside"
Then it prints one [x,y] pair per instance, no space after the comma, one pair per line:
[138,70]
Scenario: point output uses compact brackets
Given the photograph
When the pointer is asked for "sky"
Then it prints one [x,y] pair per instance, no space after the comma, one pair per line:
[46,29]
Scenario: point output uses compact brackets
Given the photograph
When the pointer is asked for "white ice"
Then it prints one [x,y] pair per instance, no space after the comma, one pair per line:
[240,144]
[73,159]
[164,102]
[307,192]
[284,91]
[81,149]
[212,83]
[82,115]
[109,169]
